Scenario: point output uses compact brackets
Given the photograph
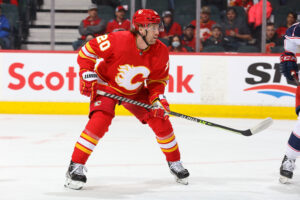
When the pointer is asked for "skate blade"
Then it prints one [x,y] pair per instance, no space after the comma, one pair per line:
[75,185]
[183,181]
[284,180]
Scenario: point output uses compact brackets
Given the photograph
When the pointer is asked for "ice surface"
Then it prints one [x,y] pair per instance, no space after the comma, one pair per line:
[128,164]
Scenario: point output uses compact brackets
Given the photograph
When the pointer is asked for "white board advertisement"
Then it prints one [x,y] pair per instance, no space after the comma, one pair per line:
[223,79]
[53,77]
[258,81]
[40,77]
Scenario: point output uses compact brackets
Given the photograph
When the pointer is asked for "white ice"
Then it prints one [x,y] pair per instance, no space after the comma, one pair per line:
[128,164]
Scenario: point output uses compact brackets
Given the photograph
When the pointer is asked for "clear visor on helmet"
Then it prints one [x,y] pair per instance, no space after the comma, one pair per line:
[155,27]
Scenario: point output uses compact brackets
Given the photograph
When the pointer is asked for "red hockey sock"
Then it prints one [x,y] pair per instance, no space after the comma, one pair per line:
[95,129]
[165,138]
[169,147]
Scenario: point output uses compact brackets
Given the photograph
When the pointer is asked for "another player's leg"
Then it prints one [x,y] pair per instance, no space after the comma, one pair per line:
[293,150]
[101,116]
[286,169]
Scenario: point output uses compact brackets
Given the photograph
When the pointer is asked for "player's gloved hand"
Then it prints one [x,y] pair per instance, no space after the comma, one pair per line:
[87,81]
[161,105]
[99,87]
[288,65]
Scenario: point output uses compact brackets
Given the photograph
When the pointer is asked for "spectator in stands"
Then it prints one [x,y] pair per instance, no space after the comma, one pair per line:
[216,38]
[272,39]
[236,30]
[4,31]
[89,37]
[205,23]
[246,4]
[290,20]
[255,19]
[176,45]
[92,25]
[120,22]
[188,40]
[171,28]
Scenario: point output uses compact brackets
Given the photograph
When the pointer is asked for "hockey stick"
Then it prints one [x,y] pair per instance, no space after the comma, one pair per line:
[258,128]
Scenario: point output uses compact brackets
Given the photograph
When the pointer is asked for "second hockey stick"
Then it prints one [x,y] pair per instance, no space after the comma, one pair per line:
[256,129]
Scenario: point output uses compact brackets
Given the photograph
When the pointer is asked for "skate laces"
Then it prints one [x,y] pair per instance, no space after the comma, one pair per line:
[78,169]
[289,165]
[176,166]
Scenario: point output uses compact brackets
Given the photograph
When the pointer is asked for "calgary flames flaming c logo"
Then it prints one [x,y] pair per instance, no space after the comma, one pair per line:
[131,77]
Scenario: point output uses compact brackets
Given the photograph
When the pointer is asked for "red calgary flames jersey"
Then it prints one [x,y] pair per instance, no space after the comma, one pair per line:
[125,68]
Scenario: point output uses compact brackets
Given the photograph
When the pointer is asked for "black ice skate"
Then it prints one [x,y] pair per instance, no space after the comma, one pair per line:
[181,174]
[286,170]
[75,177]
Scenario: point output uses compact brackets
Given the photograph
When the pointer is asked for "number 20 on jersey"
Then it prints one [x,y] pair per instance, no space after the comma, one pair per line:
[104,44]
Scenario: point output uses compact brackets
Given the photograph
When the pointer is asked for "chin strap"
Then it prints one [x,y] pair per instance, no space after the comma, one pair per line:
[144,38]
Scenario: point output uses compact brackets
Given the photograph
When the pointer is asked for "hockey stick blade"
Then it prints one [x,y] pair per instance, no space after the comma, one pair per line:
[262,125]
[258,128]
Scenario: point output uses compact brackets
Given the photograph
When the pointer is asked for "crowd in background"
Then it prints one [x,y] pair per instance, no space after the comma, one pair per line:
[225,25]
[15,19]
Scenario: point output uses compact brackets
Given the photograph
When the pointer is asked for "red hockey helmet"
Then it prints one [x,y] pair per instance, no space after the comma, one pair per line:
[144,17]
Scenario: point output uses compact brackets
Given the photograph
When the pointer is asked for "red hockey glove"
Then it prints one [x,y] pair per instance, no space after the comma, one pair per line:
[161,105]
[87,80]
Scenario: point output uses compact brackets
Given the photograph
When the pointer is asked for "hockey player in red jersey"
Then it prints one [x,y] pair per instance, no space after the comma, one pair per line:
[135,65]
